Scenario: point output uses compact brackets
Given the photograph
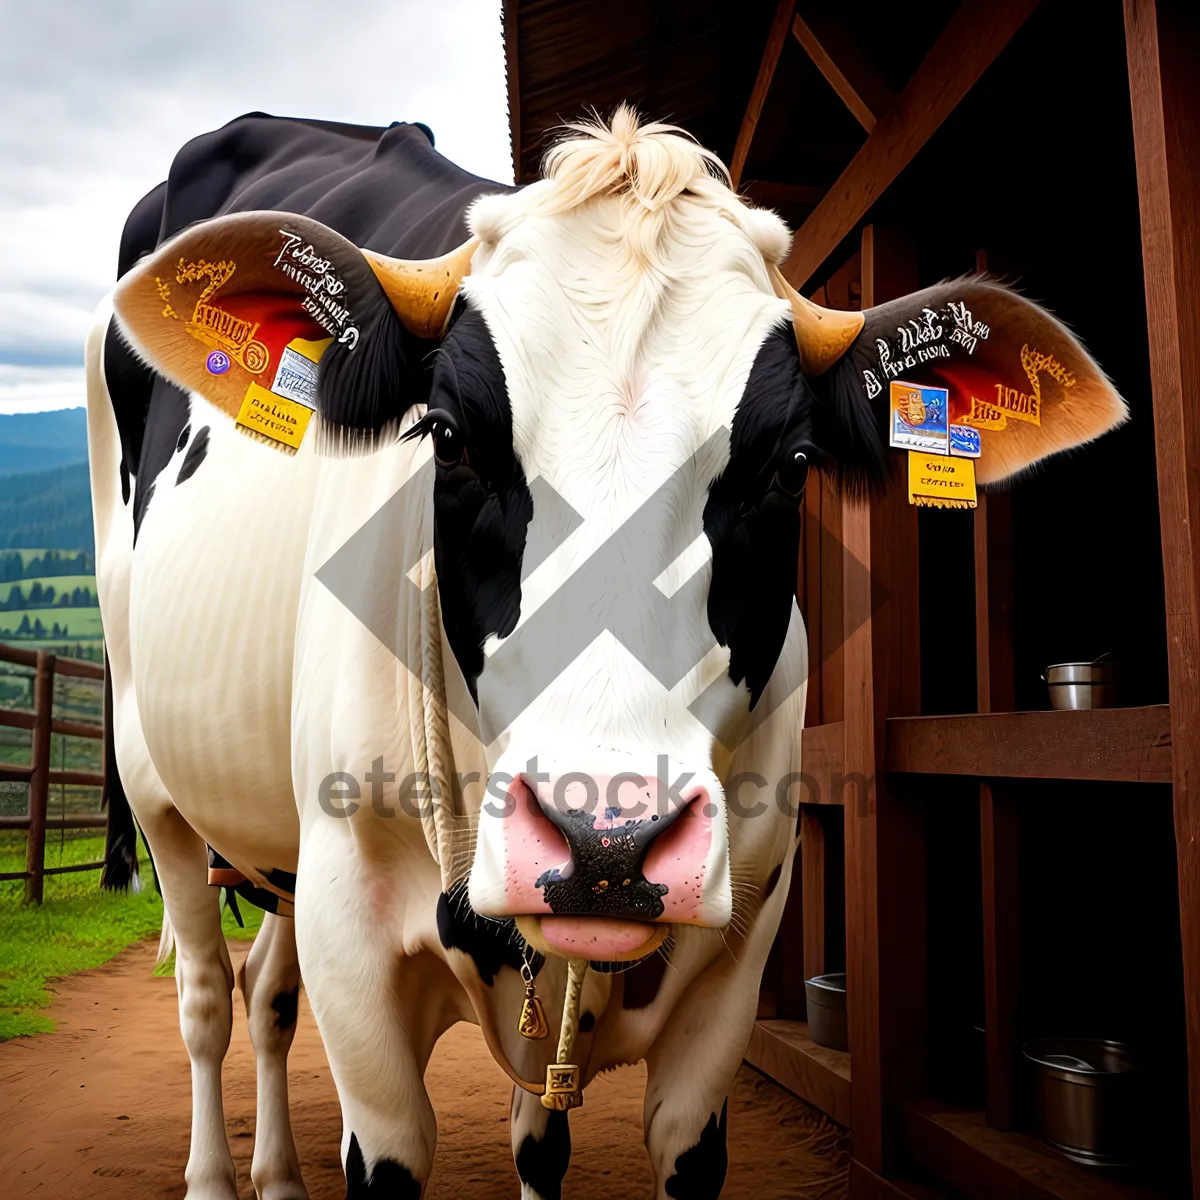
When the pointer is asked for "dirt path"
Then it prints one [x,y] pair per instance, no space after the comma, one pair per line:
[100,1108]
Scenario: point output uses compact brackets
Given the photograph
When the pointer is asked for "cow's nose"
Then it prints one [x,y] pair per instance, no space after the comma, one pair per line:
[623,833]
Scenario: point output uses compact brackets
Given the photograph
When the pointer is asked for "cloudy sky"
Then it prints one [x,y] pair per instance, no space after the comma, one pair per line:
[96,98]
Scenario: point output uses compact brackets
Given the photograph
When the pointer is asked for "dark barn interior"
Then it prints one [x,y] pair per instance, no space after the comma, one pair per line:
[1021,873]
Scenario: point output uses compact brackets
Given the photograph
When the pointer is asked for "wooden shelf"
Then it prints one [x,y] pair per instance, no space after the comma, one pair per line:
[784,1051]
[1122,744]
[984,1164]
[823,761]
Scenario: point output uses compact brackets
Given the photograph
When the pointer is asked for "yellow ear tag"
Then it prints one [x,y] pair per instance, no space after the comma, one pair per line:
[278,416]
[937,481]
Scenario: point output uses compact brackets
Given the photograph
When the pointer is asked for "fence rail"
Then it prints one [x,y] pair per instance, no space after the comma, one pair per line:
[38,774]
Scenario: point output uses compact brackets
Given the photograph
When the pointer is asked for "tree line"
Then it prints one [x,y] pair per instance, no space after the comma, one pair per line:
[46,565]
[35,629]
[44,596]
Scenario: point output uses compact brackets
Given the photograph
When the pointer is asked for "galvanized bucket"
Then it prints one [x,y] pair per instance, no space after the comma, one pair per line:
[1082,685]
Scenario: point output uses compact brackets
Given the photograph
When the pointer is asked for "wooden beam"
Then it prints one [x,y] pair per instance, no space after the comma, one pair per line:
[512,71]
[855,78]
[968,45]
[1129,745]
[885,846]
[1163,47]
[985,1164]
[762,85]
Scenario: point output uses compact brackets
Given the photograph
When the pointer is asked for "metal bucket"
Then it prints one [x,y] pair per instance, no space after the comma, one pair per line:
[1087,1098]
[1082,685]
[826,996]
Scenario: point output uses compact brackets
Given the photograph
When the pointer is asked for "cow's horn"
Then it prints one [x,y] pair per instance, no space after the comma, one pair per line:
[823,334]
[422,290]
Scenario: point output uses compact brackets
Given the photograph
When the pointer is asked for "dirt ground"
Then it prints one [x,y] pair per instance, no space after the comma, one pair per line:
[100,1108]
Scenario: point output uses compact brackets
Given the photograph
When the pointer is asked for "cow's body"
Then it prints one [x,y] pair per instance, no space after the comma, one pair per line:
[624,365]
[241,683]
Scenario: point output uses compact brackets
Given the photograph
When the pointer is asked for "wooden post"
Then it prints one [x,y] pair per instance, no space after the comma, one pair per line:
[1163,47]
[39,781]
[999,813]
[885,850]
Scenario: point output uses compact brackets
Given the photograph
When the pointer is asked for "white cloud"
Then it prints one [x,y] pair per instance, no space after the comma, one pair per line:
[95,100]
[30,389]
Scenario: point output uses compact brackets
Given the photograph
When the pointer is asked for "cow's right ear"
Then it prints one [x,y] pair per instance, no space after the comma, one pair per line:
[242,308]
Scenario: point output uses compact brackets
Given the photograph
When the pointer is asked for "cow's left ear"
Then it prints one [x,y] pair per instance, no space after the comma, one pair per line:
[1016,377]
[247,305]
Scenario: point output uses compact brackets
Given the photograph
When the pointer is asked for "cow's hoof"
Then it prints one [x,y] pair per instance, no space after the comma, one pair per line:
[291,1188]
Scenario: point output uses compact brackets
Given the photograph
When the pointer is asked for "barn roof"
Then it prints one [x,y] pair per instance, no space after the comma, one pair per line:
[692,62]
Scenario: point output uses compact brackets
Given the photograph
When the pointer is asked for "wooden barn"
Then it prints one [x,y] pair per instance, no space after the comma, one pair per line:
[1011,872]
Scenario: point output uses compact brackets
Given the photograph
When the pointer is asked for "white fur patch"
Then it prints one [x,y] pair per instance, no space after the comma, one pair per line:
[769,233]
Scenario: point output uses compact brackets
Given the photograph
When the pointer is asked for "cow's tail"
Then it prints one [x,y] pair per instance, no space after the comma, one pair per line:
[166,940]
[120,838]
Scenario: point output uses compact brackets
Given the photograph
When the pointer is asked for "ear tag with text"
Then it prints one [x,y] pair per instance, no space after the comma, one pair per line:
[278,416]
[920,418]
[937,481]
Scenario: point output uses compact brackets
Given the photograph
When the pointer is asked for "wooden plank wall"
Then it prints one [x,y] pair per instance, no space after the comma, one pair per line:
[1163,46]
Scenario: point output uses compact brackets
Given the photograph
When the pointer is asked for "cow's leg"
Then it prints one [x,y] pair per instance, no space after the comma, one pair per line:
[541,1144]
[270,983]
[204,981]
[689,1071]
[379,1014]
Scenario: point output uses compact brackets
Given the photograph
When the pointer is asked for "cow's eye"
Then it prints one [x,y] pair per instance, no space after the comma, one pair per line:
[448,446]
[792,473]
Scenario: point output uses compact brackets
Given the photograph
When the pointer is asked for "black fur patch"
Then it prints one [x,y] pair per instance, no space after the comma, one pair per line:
[285,881]
[285,1006]
[753,527]
[482,503]
[772,881]
[491,944]
[587,1022]
[543,1164]
[120,834]
[165,421]
[363,393]
[195,455]
[700,1171]
[388,1180]
[641,983]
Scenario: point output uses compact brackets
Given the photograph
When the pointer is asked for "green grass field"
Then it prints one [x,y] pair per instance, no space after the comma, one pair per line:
[78,926]
[80,622]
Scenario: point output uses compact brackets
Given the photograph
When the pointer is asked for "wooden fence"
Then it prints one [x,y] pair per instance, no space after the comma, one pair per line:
[38,774]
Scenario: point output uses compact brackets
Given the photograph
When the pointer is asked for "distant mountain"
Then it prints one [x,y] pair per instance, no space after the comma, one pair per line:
[37,441]
[47,509]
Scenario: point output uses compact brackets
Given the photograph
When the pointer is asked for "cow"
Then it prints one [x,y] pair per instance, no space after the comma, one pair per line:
[447,542]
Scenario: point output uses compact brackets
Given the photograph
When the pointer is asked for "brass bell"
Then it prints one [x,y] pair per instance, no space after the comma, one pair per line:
[532,1021]
[562,1087]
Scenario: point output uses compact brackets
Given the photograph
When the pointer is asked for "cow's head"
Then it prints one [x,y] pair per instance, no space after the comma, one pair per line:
[624,406]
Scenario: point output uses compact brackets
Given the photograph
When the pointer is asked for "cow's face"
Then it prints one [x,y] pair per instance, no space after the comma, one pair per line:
[623,407]
[621,445]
